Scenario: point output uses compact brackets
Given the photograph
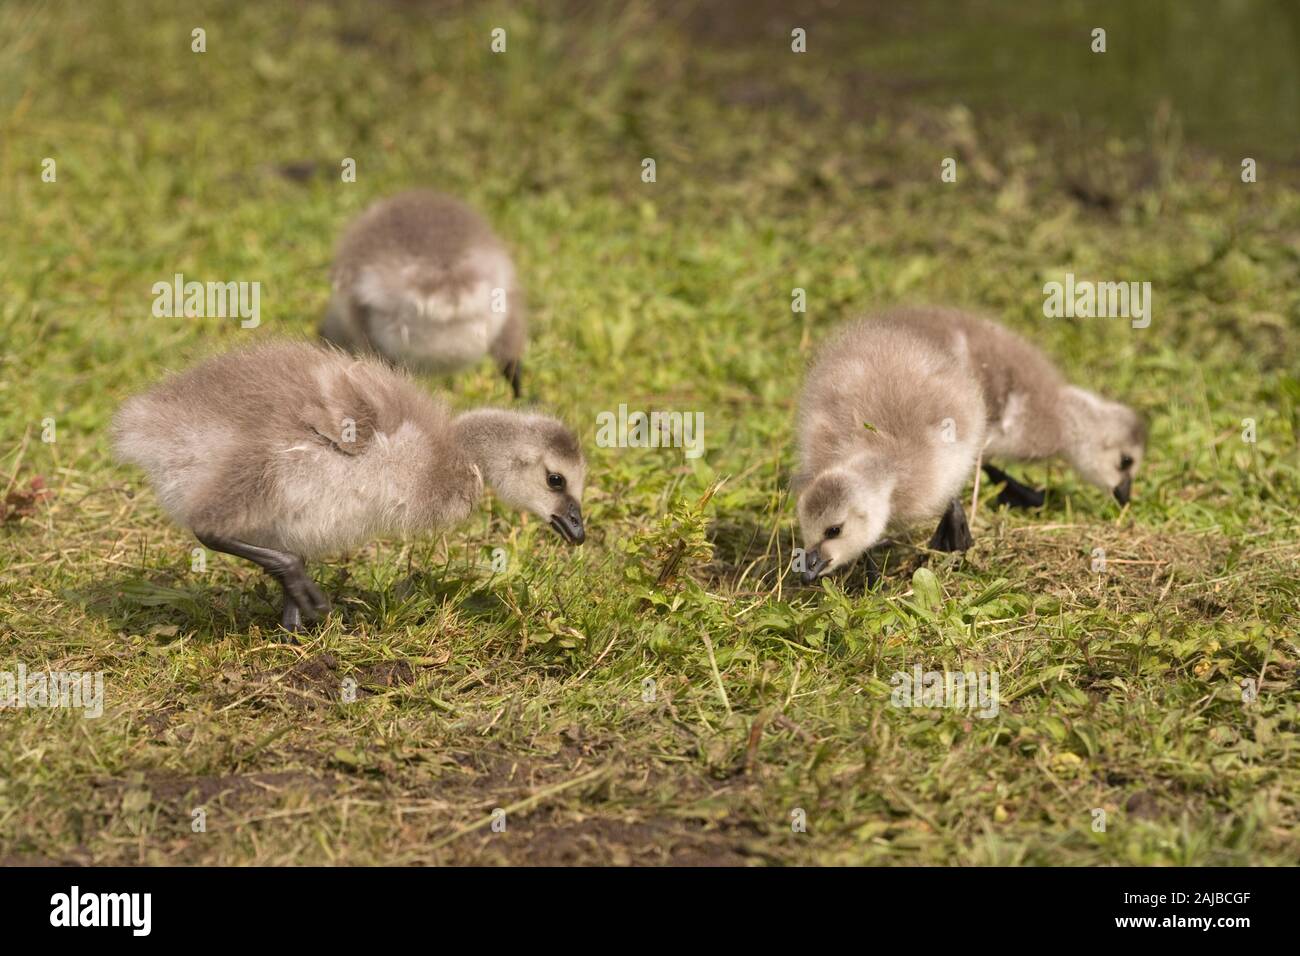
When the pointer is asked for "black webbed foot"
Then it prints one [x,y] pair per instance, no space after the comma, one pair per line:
[953,533]
[1014,494]
[291,617]
[302,591]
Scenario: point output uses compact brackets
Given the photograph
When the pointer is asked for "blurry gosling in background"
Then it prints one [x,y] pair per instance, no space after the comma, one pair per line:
[1033,412]
[421,279]
[290,451]
[890,426]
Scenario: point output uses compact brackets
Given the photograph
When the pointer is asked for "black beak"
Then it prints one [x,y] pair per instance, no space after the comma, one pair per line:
[568,522]
[814,562]
[1124,490]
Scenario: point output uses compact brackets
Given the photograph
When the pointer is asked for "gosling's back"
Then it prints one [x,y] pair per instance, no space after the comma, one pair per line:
[1020,384]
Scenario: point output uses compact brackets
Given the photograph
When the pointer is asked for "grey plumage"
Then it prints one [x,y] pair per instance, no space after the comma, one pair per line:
[421,279]
[1034,413]
[889,429]
[297,451]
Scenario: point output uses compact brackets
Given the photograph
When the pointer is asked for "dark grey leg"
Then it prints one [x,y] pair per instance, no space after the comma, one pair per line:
[953,533]
[872,570]
[511,371]
[1014,494]
[301,595]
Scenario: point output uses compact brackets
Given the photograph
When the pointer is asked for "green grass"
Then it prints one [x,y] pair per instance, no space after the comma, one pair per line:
[527,690]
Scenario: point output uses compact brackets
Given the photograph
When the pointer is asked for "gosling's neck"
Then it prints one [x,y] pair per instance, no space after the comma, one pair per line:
[484,437]
[1078,418]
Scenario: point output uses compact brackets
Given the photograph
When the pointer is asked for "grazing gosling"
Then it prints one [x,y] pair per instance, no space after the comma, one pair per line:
[890,426]
[290,451]
[1034,413]
[423,280]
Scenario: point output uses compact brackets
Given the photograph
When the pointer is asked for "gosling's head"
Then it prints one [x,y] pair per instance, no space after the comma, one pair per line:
[532,462]
[841,516]
[1107,442]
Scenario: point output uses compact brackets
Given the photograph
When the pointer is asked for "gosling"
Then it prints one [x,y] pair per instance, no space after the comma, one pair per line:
[1034,413]
[421,279]
[890,426]
[290,451]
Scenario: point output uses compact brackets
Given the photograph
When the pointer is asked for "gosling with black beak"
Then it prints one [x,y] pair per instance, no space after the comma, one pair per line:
[890,426]
[289,451]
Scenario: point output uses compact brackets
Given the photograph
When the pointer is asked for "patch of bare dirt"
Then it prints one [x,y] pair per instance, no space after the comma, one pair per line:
[315,681]
[25,502]
[605,841]
[167,787]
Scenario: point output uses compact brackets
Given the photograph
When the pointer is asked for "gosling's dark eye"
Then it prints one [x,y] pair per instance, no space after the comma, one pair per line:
[1125,462]
[832,532]
[555,481]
